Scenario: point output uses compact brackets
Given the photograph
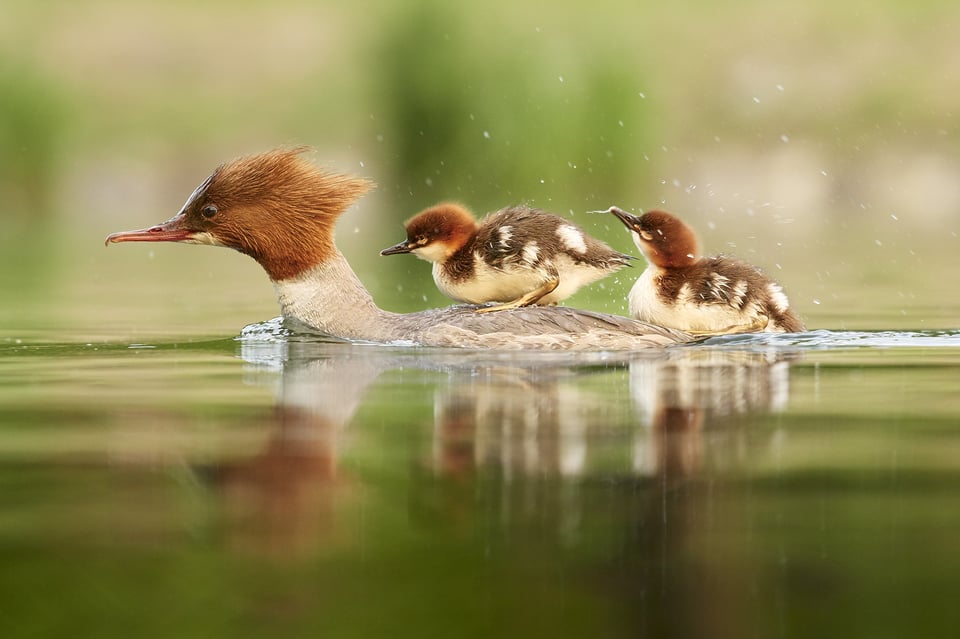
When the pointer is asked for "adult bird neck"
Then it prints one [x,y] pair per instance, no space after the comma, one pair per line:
[329,297]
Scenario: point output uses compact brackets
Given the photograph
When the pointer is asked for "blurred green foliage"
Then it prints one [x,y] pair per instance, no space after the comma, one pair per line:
[570,108]
[492,123]
[817,140]
[32,124]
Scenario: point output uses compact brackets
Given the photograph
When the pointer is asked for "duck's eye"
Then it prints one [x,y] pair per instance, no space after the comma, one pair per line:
[209,211]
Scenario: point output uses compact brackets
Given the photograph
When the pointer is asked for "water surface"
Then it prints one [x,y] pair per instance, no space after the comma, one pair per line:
[274,482]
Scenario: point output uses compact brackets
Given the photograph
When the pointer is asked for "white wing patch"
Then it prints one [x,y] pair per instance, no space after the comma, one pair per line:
[572,238]
[719,290]
[777,297]
[718,285]
[739,293]
[506,233]
[530,252]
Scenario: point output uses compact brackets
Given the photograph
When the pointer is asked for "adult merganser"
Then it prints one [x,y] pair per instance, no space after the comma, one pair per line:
[700,295]
[281,210]
[518,255]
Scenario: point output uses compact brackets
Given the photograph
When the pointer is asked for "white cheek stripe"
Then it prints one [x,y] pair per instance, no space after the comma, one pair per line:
[203,238]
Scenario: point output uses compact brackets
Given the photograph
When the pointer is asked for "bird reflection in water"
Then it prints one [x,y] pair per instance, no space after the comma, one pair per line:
[678,397]
[513,437]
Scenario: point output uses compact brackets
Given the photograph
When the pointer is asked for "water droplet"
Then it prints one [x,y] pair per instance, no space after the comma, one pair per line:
[756,100]
[428,182]
[784,138]
[878,242]
[780,88]
[816,301]
[361,164]
[560,77]
[486,135]
[642,95]
[894,217]
[620,122]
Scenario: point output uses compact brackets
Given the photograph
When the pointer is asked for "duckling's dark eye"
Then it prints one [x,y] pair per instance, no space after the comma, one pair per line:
[208,211]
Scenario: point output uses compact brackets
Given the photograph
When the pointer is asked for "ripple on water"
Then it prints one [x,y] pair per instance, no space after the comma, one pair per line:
[279,330]
[827,339]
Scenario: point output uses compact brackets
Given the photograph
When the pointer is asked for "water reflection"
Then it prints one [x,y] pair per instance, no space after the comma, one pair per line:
[511,439]
[282,501]
[345,487]
[698,391]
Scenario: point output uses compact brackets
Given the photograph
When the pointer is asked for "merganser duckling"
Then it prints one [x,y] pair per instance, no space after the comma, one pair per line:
[519,255]
[281,210]
[701,295]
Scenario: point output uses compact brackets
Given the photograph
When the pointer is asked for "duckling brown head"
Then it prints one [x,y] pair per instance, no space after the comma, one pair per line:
[663,238]
[436,233]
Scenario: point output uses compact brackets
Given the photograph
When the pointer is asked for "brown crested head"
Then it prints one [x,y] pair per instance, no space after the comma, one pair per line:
[663,238]
[276,207]
[436,232]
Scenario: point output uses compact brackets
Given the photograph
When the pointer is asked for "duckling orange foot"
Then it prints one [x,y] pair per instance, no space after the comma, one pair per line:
[757,325]
[527,299]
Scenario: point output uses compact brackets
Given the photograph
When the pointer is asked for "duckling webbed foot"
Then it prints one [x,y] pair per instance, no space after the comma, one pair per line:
[528,299]
[756,326]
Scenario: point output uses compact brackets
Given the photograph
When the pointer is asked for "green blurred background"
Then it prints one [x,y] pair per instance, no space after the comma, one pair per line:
[818,140]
